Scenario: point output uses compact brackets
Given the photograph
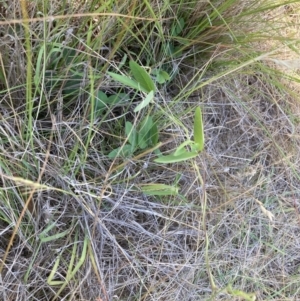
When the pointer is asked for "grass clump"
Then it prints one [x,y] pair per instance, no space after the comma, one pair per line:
[107,188]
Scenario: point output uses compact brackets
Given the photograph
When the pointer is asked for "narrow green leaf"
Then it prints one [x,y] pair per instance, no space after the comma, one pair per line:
[131,133]
[69,56]
[179,152]
[100,101]
[123,61]
[122,151]
[159,189]
[177,27]
[38,68]
[72,84]
[128,127]
[50,280]
[157,152]
[181,148]
[144,102]
[142,141]
[162,76]
[55,236]
[45,231]
[154,134]
[198,129]
[102,96]
[144,132]
[127,82]
[142,76]
[114,99]
[174,159]
[180,26]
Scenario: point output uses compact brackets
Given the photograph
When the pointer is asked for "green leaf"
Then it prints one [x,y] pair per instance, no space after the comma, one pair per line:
[54,56]
[198,129]
[144,132]
[102,96]
[173,51]
[181,148]
[174,159]
[178,27]
[145,102]
[142,76]
[154,134]
[131,133]
[179,151]
[157,152]
[127,82]
[162,76]
[159,189]
[122,151]
[100,101]
[72,83]
[38,68]
[128,128]
[69,55]
[55,236]
[114,99]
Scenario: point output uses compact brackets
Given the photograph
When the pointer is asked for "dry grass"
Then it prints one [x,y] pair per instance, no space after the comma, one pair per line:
[236,221]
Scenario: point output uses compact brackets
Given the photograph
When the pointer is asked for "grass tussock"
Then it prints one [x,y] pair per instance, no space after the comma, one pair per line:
[76,221]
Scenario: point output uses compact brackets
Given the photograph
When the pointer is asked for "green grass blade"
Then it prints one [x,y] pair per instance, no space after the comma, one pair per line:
[55,236]
[76,268]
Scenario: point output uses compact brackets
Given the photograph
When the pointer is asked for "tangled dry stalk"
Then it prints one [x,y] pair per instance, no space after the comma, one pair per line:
[90,235]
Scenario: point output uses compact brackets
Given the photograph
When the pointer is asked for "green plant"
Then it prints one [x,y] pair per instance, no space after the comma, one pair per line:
[195,147]
[116,75]
[103,102]
[141,82]
[141,137]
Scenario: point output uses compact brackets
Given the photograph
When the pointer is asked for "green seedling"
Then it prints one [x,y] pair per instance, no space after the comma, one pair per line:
[102,102]
[142,80]
[125,80]
[161,76]
[124,151]
[43,237]
[142,76]
[71,272]
[177,27]
[196,146]
[131,133]
[146,135]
